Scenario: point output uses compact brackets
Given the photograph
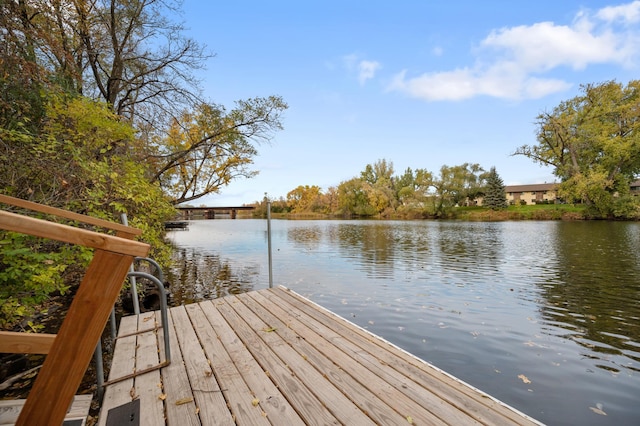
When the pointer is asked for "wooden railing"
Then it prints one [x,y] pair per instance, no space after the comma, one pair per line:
[70,351]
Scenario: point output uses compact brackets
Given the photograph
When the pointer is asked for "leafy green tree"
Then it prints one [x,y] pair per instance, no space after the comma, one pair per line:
[405,187]
[353,199]
[456,185]
[379,172]
[593,144]
[495,196]
[377,182]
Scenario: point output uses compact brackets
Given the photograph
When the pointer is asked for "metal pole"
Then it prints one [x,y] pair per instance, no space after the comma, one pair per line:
[99,369]
[132,280]
[163,308]
[269,242]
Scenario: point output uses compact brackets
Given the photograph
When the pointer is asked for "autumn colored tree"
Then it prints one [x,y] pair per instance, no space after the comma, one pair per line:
[305,199]
[206,149]
[593,144]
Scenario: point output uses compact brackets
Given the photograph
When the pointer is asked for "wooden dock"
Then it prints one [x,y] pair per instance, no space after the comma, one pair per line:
[272,357]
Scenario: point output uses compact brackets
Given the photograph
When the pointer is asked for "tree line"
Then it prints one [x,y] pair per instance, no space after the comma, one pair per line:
[591,142]
[379,192]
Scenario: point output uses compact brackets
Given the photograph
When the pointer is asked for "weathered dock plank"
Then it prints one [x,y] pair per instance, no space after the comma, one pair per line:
[148,386]
[343,363]
[180,404]
[274,357]
[123,364]
[242,401]
[276,407]
[212,407]
[311,386]
[76,414]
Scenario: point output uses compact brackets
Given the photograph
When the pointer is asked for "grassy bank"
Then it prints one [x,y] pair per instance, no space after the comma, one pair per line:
[528,212]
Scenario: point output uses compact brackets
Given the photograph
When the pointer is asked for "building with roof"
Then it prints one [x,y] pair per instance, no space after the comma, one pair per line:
[544,193]
[539,193]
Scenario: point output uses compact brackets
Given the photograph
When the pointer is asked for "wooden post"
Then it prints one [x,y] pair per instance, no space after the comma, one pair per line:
[72,349]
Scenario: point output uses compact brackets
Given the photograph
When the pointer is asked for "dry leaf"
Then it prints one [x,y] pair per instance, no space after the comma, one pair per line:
[184,401]
[197,410]
[255,402]
[524,378]
[269,329]
[208,373]
[162,396]
[598,409]
[410,420]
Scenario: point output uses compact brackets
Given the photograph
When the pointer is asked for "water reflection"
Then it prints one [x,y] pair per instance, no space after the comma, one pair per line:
[199,276]
[369,244]
[594,295]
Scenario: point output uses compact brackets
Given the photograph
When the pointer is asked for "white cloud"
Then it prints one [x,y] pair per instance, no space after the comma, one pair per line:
[364,69]
[367,70]
[627,13]
[514,63]
[467,83]
[544,46]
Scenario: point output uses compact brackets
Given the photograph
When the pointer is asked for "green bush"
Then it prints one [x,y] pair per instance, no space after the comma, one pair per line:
[30,271]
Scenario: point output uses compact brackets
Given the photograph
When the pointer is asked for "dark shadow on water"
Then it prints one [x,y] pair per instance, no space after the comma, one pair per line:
[198,276]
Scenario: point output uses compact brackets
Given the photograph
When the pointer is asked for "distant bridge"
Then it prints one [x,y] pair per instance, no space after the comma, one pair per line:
[190,213]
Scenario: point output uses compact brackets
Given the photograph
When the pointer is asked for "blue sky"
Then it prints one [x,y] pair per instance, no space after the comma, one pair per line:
[418,83]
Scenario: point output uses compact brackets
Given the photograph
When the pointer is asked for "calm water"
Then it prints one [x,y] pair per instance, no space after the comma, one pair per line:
[542,315]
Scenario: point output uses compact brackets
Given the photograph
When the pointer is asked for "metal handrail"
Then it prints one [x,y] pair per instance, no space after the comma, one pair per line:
[163,308]
[153,263]
[159,282]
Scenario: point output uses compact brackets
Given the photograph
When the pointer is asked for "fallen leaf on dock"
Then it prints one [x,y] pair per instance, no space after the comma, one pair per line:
[162,396]
[410,420]
[524,378]
[269,329]
[184,401]
[255,402]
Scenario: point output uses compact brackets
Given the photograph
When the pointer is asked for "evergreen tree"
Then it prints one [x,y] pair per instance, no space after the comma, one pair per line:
[495,196]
